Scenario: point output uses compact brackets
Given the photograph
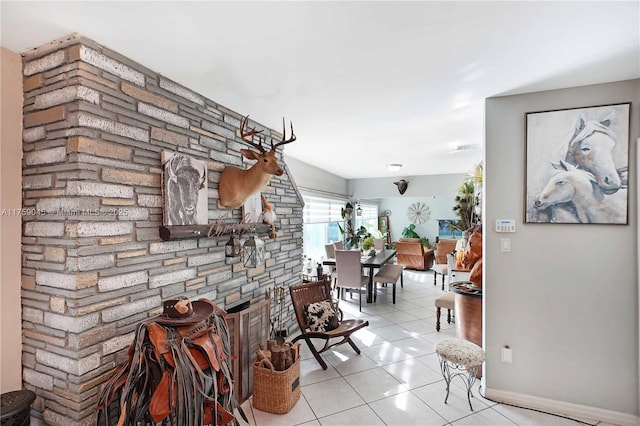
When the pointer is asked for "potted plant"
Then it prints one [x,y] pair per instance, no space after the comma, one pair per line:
[358,236]
[409,232]
[464,204]
[466,201]
[367,243]
[347,232]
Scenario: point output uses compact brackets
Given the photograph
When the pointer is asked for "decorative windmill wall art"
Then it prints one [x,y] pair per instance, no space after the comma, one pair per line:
[418,213]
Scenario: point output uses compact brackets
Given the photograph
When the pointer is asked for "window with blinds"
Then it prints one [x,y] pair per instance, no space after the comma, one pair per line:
[368,218]
[321,224]
[369,211]
[321,210]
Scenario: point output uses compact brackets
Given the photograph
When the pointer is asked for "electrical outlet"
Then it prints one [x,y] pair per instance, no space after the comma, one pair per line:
[507,355]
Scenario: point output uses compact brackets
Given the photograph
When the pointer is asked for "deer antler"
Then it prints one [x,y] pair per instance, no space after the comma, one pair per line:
[250,134]
[283,141]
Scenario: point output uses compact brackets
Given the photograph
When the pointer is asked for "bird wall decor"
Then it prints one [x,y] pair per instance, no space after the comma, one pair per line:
[402,185]
[269,216]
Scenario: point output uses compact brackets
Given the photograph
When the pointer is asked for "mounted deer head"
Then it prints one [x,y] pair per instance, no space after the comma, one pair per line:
[236,184]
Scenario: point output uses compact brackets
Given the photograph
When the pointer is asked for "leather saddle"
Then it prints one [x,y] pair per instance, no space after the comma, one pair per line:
[179,374]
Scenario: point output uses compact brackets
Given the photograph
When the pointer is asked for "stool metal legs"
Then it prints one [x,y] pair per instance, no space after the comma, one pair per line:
[468,376]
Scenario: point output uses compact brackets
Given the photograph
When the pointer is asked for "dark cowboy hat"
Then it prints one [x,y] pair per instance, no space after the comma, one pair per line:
[182,311]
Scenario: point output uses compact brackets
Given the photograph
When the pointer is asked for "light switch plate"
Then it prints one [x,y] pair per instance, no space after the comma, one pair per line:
[505,244]
[506,355]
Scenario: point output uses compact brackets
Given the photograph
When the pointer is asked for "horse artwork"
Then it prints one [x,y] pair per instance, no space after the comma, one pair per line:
[591,148]
[578,189]
[577,163]
[472,258]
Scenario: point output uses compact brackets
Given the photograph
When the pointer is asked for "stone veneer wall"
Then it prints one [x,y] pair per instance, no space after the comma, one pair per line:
[94,266]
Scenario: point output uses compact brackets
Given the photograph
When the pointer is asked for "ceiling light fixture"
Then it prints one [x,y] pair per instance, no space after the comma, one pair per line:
[394,167]
[458,147]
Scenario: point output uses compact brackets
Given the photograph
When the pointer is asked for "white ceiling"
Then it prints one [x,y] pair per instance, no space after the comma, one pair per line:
[365,83]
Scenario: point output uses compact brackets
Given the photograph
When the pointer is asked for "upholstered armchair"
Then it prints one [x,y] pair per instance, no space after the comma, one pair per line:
[411,254]
[440,266]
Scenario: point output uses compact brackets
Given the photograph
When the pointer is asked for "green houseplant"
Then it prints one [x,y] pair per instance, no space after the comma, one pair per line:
[464,204]
[466,201]
[367,243]
[357,237]
[347,231]
[409,232]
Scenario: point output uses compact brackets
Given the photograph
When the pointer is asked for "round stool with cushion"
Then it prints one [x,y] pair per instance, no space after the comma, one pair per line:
[461,356]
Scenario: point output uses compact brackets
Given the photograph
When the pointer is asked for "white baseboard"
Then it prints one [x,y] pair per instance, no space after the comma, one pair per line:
[568,409]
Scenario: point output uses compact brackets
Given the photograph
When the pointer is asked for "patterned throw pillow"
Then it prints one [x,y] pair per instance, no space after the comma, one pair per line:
[321,316]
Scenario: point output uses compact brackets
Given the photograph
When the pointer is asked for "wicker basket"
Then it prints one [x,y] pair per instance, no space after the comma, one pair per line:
[276,391]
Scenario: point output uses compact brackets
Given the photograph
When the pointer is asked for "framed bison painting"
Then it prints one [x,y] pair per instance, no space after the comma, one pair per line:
[184,189]
[577,163]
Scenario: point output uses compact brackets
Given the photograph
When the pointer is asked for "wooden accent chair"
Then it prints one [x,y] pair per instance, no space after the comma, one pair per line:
[302,296]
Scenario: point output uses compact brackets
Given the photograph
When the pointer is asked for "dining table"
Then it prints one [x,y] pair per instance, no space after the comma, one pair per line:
[372,262]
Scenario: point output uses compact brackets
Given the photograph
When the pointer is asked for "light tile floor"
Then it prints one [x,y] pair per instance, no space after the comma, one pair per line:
[397,379]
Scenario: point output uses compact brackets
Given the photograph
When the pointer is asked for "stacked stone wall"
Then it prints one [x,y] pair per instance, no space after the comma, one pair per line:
[94,266]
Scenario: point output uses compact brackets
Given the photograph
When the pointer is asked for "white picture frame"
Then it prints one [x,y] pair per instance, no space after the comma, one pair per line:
[252,209]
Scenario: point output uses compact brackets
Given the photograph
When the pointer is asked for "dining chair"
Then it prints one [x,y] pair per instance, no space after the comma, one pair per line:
[330,250]
[349,271]
[440,266]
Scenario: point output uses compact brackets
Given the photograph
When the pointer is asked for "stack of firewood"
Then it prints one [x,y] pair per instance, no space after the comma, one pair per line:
[278,356]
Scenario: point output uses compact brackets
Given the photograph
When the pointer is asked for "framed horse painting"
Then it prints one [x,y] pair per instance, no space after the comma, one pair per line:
[577,163]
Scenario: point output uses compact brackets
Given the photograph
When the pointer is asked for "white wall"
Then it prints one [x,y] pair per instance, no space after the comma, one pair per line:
[565,299]
[436,191]
[419,186]
[10,229]
[440,206]
[310,177]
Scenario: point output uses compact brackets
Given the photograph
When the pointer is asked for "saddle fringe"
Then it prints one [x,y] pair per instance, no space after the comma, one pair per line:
[174,376]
